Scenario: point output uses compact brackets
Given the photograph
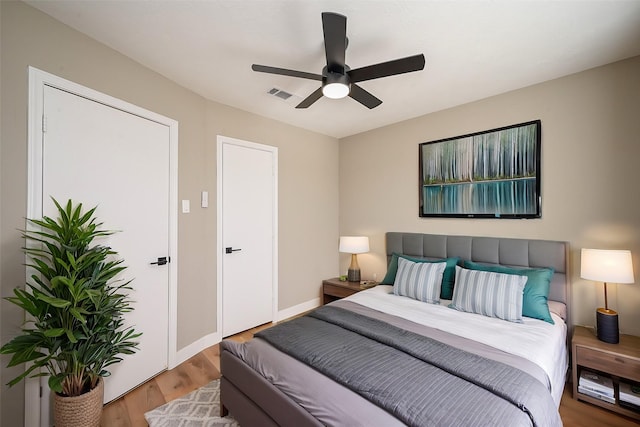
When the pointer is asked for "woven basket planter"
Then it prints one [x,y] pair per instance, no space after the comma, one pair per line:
[79,411]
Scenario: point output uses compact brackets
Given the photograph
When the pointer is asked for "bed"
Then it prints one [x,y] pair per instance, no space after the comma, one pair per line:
[419,350]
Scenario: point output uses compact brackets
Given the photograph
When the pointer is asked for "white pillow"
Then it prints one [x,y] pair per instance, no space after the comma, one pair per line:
[488,293]
[419,280]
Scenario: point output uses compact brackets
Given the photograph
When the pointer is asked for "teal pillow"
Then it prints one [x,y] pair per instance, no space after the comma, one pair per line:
[448,278]
[536,291]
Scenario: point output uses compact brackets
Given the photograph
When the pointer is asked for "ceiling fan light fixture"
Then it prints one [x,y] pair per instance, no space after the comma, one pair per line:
[336,86]
[335,90]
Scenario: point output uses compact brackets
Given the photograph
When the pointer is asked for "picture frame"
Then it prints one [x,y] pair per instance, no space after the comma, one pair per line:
[489,174]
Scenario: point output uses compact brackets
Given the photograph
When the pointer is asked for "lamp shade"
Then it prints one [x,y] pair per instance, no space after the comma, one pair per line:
[354,244]
[612,266]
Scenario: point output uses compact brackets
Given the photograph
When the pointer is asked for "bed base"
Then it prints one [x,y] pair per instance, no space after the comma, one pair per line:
[253,401]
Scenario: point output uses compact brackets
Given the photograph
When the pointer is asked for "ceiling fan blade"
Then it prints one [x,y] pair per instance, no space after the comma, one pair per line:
[385,69]
[306,103]
[364,97]
[335,40]
[285,72]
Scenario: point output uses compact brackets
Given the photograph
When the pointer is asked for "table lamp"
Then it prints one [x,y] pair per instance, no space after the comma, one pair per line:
[354,245]
[613,266]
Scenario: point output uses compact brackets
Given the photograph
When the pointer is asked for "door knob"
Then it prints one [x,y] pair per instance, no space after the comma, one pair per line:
[161,261]
[230,249]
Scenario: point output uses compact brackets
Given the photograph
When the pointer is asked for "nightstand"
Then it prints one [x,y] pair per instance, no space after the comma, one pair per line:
[334,289]
[619,361]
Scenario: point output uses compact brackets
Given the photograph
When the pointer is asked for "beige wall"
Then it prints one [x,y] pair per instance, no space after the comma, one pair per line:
[308,173]
[590,152]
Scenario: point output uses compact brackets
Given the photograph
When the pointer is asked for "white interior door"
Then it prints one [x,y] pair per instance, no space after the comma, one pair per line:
[102,156]
[249,200]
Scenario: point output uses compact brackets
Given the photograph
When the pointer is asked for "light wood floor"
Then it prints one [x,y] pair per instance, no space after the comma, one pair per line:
[128,411]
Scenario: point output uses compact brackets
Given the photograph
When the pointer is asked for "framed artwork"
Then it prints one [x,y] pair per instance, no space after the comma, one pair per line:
[490,174]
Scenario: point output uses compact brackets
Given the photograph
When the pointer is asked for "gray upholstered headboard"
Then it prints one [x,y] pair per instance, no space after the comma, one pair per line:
[491,250]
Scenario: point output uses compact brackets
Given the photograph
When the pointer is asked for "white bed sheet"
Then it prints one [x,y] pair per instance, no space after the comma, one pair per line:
[540,342]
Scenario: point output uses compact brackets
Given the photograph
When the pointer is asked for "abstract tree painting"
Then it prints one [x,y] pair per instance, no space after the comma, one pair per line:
[490,174]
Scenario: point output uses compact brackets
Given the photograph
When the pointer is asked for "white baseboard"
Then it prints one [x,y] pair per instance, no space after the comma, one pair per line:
[196,347]
[298,309]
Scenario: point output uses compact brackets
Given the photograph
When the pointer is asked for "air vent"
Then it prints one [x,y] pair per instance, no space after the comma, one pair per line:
[280,93]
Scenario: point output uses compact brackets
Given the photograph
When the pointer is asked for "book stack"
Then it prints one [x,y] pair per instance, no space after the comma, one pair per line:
[596,385]
[630,396]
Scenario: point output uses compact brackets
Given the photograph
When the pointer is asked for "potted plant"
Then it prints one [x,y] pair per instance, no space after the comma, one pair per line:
[75,306]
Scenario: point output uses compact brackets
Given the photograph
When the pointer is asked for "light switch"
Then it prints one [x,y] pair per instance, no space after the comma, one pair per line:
[205,199]
[186,206]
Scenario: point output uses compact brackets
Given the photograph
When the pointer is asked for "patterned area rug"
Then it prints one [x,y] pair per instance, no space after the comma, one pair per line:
[200,408]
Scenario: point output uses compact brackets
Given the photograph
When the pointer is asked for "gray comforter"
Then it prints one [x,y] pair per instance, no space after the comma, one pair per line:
[419,380]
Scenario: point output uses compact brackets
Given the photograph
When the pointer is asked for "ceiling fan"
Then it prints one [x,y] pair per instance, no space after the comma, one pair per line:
[338,80]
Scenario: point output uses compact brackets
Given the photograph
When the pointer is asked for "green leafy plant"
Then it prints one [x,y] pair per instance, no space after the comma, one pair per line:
[75,302]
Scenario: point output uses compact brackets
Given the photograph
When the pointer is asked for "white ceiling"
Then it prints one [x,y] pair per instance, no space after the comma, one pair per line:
[473,49]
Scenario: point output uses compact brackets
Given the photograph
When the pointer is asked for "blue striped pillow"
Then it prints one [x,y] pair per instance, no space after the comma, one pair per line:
[488,293]
[419,280]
